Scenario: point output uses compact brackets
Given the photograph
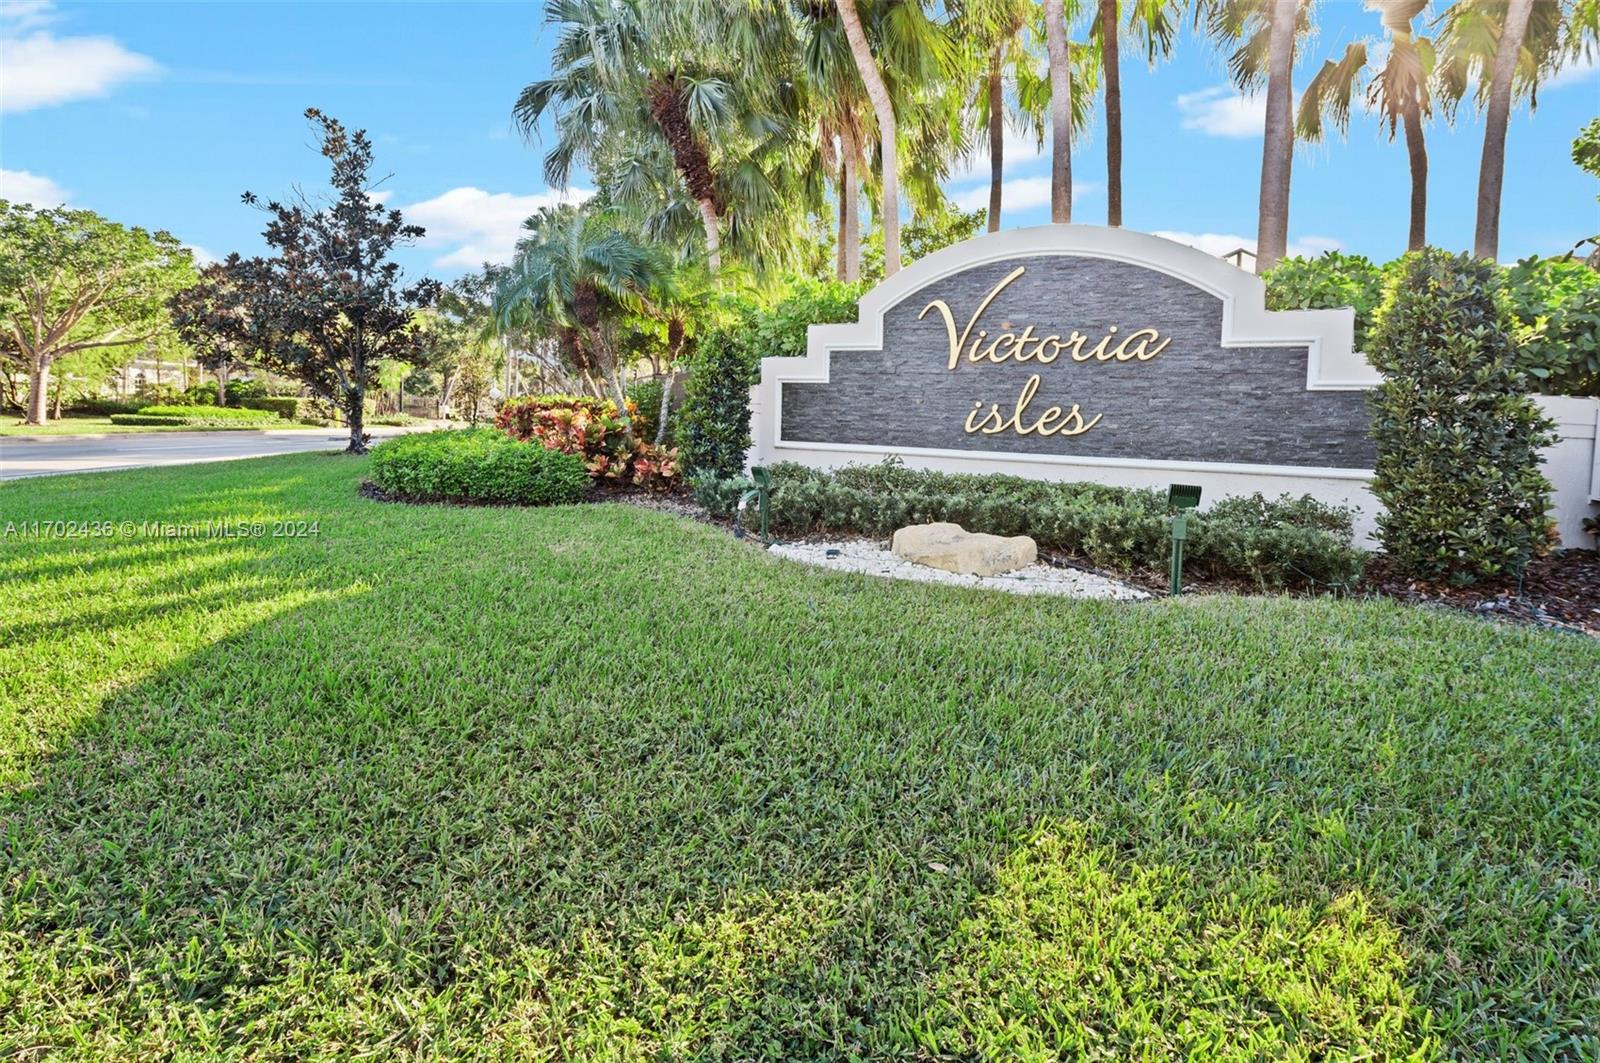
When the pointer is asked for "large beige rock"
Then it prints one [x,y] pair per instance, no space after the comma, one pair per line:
[954,549]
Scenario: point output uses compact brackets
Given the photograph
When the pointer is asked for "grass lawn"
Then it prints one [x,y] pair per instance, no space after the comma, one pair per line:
[594,782]
[83,426]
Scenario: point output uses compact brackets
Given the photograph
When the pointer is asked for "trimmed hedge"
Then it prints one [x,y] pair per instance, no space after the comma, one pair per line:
[476,465]
[285,406]
[197,417]
[1274,543]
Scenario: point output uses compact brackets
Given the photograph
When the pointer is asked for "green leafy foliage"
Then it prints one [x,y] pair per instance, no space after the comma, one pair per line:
[1284,542]
[644,399]
[573,424]
[1332,279]
[1556,302]
[476,465]
[288,407]
[715,421]
[1458,434]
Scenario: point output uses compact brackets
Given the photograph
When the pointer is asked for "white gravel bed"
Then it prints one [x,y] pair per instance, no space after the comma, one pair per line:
[870,557]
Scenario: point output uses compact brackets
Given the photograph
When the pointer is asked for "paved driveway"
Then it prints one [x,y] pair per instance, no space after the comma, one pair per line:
[48,455]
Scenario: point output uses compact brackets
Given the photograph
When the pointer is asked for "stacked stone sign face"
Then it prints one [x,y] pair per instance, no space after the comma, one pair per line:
[1077,352]
[1063,355]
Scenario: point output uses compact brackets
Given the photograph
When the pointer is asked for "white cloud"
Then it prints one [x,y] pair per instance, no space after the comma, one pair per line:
[19,15]
[1021,151]
[20,186]
[1220,244]
[1018,193]
[1221,111]
[479,226]
[39,69]
[202,257]
[1575,72]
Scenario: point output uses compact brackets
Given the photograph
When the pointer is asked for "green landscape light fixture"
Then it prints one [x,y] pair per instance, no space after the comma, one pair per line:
[761,495]
[1180,499]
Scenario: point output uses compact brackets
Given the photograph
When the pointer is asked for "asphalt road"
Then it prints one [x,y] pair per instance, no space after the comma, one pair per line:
[51,455]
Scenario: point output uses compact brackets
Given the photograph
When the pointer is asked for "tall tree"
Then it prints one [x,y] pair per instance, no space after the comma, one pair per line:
[1398,92]
[1010,93]
[888,131]
[208,319]
[1155,25]
[71,281]
[1055,28]
[328,306]
[635,81]
[576,274]
[1500,50]
[1277,147]
[1497,116]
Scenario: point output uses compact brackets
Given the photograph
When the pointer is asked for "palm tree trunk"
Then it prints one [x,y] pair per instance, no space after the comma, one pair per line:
[1055,25]
[997,138]
[1277,147]
[708,217]
[850,204]
[888,134]
[1492,170]
[1113,73]
[838,264]
[38,391]
[1417,151]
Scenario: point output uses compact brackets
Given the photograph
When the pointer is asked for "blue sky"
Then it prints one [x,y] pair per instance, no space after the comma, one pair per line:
[162,114]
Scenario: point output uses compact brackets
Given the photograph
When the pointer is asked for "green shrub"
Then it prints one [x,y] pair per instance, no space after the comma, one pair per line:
[1330,280]
[1284,542]
[1556,302]
[197,417]
[644,397]
[476,465]
[714,424]
[1458,435]
[100,407]
[240,390]
[286,406]
[202,394]
[397,420]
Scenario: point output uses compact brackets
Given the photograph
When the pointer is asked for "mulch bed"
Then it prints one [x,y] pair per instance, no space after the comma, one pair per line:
[1561,591]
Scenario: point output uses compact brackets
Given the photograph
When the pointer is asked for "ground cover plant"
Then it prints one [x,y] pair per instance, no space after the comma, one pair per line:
[1274,543]
[592,781]
[71,425]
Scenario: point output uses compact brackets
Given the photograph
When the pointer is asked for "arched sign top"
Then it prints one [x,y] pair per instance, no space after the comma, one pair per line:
[1328,335]
[1073,345]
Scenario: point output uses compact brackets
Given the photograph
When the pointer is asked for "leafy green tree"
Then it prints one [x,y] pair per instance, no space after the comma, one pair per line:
[207,316]
[72,282]
[328,308]
[1586,153]
[577,275]
[1458,433]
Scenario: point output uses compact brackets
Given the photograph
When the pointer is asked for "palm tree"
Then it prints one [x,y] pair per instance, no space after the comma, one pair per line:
[1398,91]
[1506,47]
[1055,28]
[1265,33]
[888,131]
[575,274]
[998,33]
[1155,22]
[627,72]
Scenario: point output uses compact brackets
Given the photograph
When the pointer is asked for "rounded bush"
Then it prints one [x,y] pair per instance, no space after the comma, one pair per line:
[196,417]
[476,465]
